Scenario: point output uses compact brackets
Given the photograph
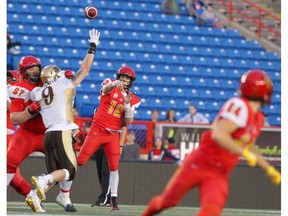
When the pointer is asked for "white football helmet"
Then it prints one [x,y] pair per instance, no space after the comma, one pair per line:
[49,73]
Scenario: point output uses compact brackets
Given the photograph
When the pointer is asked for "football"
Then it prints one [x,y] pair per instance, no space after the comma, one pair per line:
[90,12]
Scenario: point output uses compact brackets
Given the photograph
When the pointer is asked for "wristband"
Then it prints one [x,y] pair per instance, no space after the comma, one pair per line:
[92,48]
[114,83]
[31,113]
[121,146]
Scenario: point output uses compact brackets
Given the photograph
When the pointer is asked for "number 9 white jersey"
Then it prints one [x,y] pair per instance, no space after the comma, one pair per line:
[56,100]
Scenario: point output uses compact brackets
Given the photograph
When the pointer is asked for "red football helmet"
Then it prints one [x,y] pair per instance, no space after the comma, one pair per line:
[128,72]
[27,62]
[256,84]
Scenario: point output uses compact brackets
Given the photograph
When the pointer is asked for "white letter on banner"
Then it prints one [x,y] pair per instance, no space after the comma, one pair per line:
[184,151]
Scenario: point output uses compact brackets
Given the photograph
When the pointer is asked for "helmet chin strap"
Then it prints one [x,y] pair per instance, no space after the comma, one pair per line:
[35,80]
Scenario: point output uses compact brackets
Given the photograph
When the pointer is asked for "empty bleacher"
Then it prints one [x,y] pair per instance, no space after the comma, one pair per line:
[176,62]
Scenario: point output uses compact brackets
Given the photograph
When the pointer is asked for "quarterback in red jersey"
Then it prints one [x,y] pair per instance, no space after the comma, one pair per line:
[233,135]
[116,103]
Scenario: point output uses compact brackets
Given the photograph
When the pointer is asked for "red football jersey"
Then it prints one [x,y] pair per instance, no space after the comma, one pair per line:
[20,95]
[249,125]
[10,126]
[111,112]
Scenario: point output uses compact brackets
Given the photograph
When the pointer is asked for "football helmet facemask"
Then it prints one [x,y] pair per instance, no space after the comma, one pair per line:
[27,62]
[128,72]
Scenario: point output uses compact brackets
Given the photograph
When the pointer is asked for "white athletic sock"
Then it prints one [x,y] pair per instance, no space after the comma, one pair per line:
[114,181]
[30,193]
[65,187]
[49,179]
[9,177]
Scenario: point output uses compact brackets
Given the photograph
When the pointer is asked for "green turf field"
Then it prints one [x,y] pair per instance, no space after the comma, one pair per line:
[16,208]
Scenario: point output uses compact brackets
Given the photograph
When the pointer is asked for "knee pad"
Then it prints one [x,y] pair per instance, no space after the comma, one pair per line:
[70,174]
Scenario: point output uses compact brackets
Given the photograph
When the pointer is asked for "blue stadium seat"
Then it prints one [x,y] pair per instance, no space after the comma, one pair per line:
[148,90]
[169,103]
[172,56]
[163,91]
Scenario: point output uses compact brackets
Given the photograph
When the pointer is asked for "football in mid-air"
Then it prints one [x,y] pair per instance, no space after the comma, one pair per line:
[91,12]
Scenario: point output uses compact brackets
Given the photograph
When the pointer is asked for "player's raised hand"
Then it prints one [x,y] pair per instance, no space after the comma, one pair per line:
[94,36]
[274,175]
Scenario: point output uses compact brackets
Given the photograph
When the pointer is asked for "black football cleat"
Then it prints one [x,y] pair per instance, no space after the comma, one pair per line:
[114,204]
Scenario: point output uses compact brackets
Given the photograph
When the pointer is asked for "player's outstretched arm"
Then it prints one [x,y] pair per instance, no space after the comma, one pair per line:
[271,172]
[30,112]
[222,135]
[88,60]
[117,83]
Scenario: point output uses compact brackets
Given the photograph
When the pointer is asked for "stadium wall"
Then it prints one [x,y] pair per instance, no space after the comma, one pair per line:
[139,181]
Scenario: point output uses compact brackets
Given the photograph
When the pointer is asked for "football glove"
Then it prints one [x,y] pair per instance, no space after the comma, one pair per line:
[94,36]
[34,107]
[69,74]
[274,175]
[250,157]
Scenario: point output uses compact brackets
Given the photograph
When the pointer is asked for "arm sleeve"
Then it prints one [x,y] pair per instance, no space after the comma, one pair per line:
[135,103]
[185,118]
[235,110]
[104,84]
[18,100]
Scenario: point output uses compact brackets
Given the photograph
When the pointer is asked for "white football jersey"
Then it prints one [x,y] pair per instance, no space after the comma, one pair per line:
[56,100]
[236,110]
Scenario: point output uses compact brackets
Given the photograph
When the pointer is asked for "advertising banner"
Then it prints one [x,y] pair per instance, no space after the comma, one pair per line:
[187,138]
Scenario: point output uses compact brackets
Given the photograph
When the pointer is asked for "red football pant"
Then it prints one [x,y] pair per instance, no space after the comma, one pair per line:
[21,145]
[96,137]
[9,137]
[195,172]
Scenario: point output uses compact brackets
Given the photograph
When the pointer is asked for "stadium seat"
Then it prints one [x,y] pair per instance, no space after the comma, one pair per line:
[174,59]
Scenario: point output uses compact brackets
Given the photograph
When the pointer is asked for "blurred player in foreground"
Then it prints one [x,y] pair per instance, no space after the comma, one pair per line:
[116,102]
[56,98]
[233,135]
